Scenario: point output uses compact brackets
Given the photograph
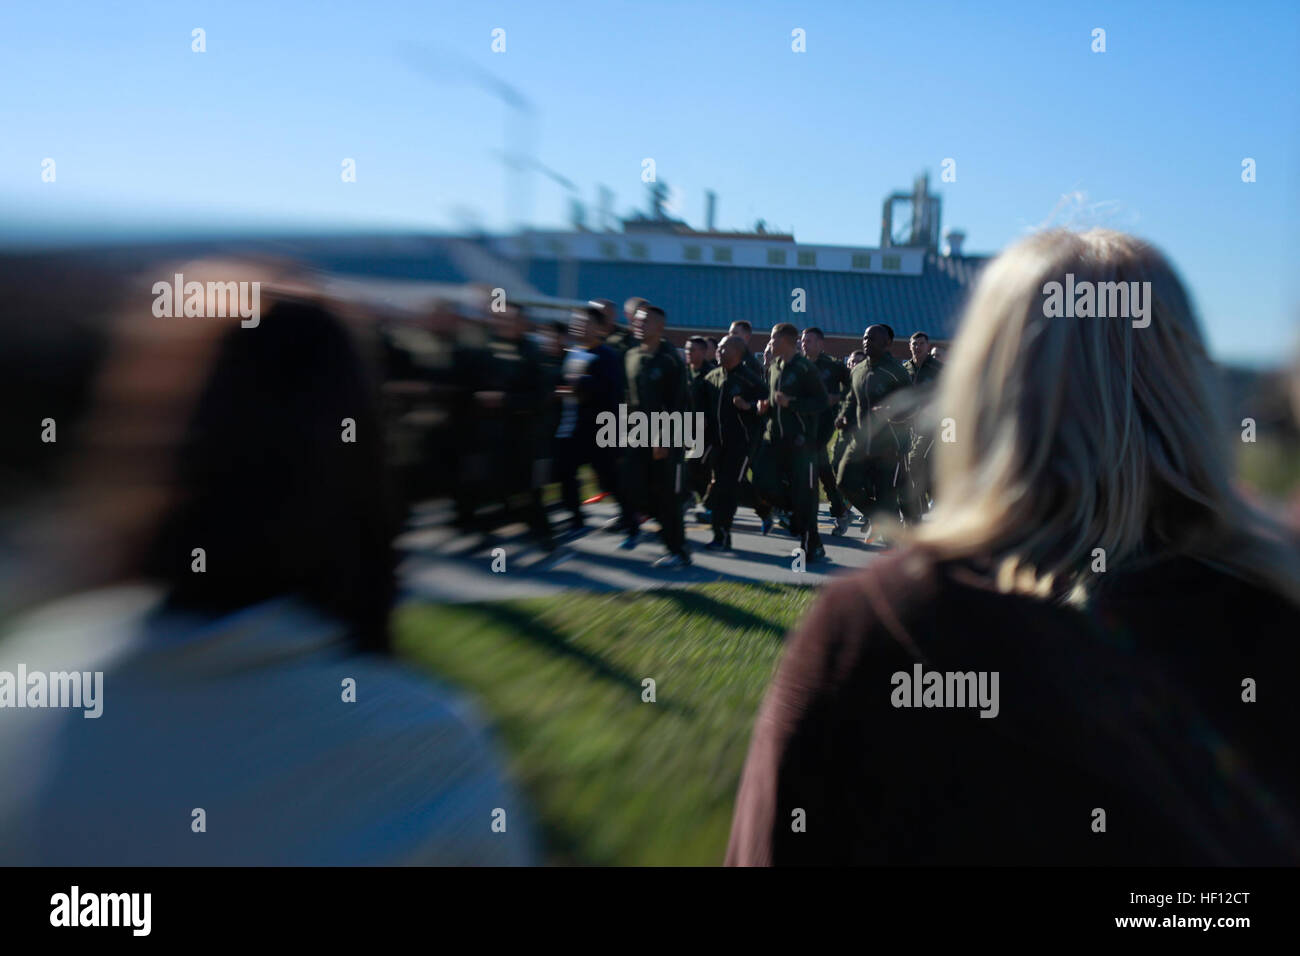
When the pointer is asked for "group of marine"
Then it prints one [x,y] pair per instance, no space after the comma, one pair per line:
[513,407]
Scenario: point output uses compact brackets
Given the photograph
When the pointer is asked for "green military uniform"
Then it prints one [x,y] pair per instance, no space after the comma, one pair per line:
[733,436]
[754,365]
[842,436]
[508,435]
[697,469]
[657,382]
[927,372]
[871,470]
[923,377]
[788,456]
[835,378]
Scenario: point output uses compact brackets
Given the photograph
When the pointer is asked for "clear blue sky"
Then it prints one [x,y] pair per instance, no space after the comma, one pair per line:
[1148,136]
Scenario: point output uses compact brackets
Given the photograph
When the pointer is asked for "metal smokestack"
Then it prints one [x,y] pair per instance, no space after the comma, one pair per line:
[710,208]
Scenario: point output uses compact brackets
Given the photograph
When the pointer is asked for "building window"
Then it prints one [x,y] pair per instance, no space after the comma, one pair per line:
[636,250]
[556,247]
[691,253]
[776,257]
[807,257]
[892,263]
[722,253]
[609,249]
[861,260]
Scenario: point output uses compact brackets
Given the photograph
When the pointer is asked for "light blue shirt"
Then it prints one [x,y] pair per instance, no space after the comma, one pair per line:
[242,716]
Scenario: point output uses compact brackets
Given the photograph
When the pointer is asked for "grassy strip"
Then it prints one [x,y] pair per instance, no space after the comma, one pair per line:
[616,780]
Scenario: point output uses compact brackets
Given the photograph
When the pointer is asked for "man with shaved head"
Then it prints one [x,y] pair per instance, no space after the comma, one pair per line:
[622,339]
[619,337]
[743,330]
[872,470]
[731,396]
[785,472]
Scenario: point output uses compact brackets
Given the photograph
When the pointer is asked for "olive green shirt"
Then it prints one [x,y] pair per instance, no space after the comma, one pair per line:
[656,381]
[873,428]
[796,424]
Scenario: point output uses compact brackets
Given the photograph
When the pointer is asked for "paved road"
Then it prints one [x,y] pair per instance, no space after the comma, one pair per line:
[441,565]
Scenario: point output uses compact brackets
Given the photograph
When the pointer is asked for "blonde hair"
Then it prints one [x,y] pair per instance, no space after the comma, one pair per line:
[1073,434]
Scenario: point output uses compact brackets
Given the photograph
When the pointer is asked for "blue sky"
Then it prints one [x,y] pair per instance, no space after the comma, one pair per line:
[1147,137]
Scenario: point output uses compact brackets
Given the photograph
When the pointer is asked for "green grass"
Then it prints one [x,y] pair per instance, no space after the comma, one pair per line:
[615,780]
[1270,467]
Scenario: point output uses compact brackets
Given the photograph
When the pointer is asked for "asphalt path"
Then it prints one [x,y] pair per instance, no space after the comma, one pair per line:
[441,564]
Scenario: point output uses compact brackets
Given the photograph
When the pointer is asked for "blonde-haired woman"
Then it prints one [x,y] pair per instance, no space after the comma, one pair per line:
[1086,656]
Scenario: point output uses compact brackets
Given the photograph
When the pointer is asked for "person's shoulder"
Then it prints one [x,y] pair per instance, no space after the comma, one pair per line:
[716,376]
[910,595]
[901,574]
[867,606]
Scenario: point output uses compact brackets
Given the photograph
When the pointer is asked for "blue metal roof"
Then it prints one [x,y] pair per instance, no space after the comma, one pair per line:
[712,297]
[430,259]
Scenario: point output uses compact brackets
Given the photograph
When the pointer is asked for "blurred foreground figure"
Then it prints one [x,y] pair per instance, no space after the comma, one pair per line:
[593,383]
[512,388]
[231,499]
[1087,657]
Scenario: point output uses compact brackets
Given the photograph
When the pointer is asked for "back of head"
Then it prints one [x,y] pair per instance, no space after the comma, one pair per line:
[284,497]
[1078,433]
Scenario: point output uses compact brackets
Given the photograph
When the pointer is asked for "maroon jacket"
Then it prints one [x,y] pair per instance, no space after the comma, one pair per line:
[1134,707]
